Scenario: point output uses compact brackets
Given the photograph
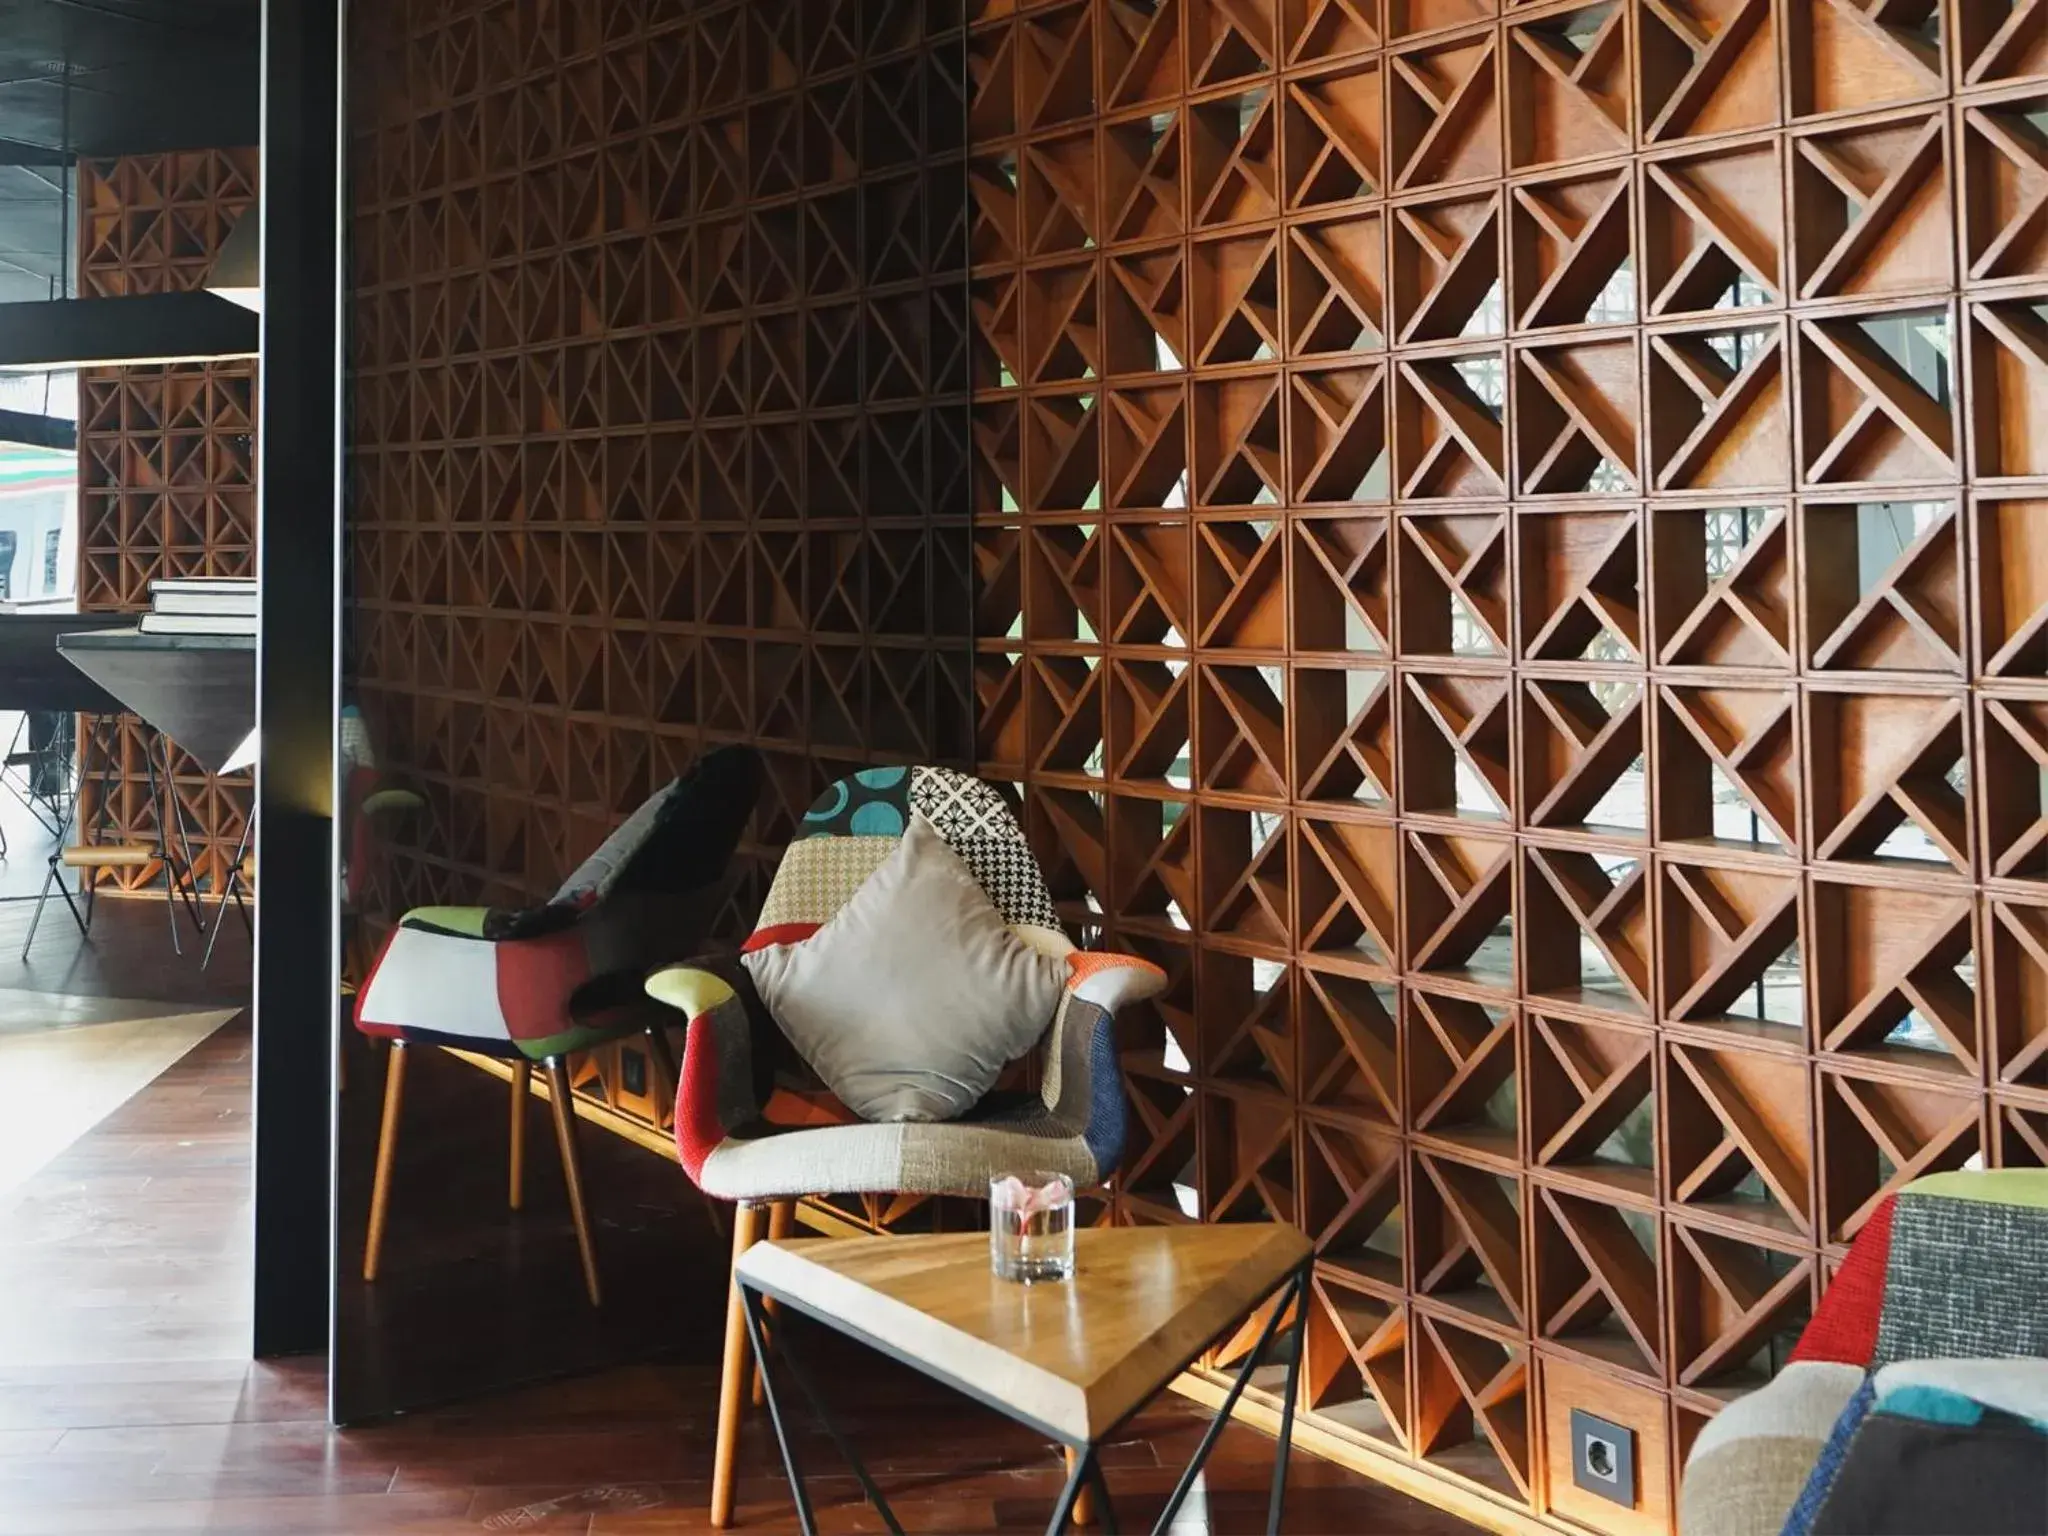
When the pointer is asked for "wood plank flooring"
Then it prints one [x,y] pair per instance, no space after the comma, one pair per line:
[126,1405]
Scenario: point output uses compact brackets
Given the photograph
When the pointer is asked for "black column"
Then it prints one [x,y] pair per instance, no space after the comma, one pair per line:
[298,443]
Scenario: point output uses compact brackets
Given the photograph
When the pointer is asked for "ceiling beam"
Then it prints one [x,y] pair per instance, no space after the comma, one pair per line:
[145,328]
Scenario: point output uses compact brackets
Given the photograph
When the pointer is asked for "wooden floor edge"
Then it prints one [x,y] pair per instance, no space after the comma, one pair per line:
[1381,1467]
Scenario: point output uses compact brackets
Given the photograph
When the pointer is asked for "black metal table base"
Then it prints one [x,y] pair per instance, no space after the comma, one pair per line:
[1087,1468]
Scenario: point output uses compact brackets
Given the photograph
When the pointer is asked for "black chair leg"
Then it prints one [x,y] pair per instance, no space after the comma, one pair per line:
[41,900]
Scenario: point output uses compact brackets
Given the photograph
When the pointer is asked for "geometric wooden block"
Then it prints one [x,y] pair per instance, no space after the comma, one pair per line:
[1568,87]
[1350,1046]
[1596,1283]
[2003,177]
[1591,1104]
[1730,949]
[1336,286]
[1462,1073]
[2007,361]
[1357,1360]
[1140,50]
[1571,243]
[2016,993]
[1720,587]
[1737,1136]
[1577,415]
[2009,546]
[1884,586]
[1875,398]
[1233,158]
[1997,43]
[1579,587]
[1465,1237]
[1323,29]
[1872,208]
[1448,418]
[1708,66]
[1248,1157]
[1243,859]
[1878,1134]
[1713,228]
[1717,408]
[1353,1203]
[1346,879]
[1584,930]
[1158,1179]
[1445,261]
[1244,1010]
[1342,586]
[1903,992]
[1456,756]
[1238,441]
[1887,778]
[1582,757]
[1141,190]
[1454,584]
[2012,747]
[1472,1403]
[1331,132]
[1457,903]
[1737,1308]
[2022,1135]
[1338,432]
[1728,768]
[1444,113]
[1842,61]
[1343,744]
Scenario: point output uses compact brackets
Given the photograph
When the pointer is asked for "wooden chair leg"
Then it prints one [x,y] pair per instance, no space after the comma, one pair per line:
[522,1086]
[746,1230]
[572,1171]
[387,1148]
[1084,1501]
[781,1217]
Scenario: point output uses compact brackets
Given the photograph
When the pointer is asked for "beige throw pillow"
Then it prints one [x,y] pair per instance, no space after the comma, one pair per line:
[916,994]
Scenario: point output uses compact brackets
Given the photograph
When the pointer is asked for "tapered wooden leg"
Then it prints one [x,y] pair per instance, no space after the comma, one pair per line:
[572,1171]
[781,1217]
[522,1086]
[746,1230]
[387,1148]
[1084,1501]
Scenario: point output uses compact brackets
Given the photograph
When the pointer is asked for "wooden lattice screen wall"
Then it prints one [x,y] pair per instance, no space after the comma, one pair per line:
[661,415]
[166,455]
[1511,560]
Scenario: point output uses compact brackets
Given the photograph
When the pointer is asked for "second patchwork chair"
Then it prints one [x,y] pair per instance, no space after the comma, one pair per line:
[531,986]
[726,1107]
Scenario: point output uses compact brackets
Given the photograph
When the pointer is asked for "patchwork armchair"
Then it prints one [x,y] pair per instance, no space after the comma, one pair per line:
[530,986]
[742,1140]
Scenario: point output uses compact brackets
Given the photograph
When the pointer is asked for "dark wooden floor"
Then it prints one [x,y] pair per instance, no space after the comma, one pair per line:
[126,1405]
[127,954]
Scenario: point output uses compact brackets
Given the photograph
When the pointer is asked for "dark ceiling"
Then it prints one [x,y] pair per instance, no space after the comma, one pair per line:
[108,77]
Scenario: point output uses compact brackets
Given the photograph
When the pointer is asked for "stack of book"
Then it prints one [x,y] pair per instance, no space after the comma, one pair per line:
[191,606]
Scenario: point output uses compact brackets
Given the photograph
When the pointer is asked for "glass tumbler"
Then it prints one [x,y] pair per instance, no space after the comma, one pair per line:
[1031,1226]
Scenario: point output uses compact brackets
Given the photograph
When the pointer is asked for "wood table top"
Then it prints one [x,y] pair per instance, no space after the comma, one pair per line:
[1075,1357]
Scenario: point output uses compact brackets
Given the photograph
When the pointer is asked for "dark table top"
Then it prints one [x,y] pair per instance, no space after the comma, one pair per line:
[199,690]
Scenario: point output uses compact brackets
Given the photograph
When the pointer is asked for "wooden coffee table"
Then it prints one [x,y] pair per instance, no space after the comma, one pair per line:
[1073,1360]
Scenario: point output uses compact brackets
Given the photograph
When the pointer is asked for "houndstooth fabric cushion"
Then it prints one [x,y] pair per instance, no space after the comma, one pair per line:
[978,826]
